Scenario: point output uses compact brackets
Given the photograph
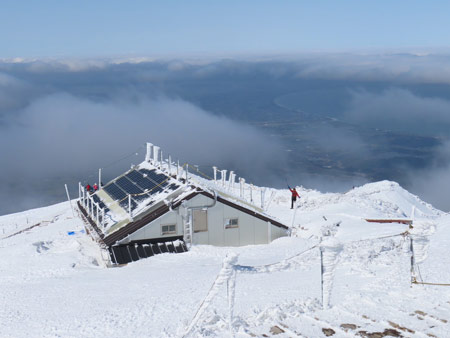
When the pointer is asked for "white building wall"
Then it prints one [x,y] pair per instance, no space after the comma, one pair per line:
[251,230]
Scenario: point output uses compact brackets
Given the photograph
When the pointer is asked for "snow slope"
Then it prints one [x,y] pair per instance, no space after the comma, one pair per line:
[57,285]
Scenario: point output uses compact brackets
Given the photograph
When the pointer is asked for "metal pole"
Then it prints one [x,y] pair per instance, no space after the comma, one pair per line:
[97,213]
[129,205]
[187,172]
[68,198]
[170,165]
[178,169]
[263,191]
[321,276]
[215,174]
[100,177]
[79,191]
[103,217]
[411,248]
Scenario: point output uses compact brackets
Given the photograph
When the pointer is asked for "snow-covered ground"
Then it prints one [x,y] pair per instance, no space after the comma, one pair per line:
[53,284]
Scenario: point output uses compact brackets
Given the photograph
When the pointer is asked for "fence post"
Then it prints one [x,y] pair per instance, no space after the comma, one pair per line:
[411,249]
[321,276]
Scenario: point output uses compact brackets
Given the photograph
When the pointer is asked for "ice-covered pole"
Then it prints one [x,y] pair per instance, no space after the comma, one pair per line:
[129,205]
[161,159]
[329,253]
[187,172]
[241,186]
[79,191]
[68,198]
[223,176]
[230,179]
[178,169]
[215,174]
[155,155]
[169,160]
[148,154]
[263,192]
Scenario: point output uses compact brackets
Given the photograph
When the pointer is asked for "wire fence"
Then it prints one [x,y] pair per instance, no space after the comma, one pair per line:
[230,269]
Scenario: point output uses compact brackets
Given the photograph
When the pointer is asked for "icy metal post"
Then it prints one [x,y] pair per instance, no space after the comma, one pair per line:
[68,198]
[411,248]
[100,177]
[103,217]
[251,193]
[155,155]
[129,205]
[148,154]
[170,165]
[178,169]
[230,179]
[321,276]
[215,174]
[263,192]
[224,176]
[187,172]
[97,214]
[241,186]
[162,160]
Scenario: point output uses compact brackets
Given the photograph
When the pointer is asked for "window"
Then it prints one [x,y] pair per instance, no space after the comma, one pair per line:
[231,223]
[168,229]
[200,219]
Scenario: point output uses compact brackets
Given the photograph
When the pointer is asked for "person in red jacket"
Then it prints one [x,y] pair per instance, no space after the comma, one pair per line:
[88,187]
[294,196]
[95,187]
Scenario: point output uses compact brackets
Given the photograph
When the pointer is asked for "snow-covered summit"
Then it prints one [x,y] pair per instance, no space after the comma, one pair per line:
[54,281]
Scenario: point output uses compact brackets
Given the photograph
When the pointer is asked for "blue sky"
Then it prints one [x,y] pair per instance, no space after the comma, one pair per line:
[176,28]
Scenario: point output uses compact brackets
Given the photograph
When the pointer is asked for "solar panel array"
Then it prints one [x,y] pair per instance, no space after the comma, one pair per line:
[142,183]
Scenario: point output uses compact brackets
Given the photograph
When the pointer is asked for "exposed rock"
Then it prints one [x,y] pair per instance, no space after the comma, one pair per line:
[328,332]
[276,330]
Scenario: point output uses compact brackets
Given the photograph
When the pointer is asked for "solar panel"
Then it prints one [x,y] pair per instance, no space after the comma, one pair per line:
[114,191]
[155,177]
[140,180]
[128,186]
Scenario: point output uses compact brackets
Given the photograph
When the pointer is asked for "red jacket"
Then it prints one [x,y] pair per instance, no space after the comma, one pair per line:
[294,193]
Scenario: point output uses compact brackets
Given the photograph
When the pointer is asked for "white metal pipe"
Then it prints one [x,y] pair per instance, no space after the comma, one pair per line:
[103,217]
[155,155]
[223,176]
[129,205]
[215,174]
[241,186]
[263,192]
[230,179]
[251,192]
[79,191]
[100,177]
[187,172]
[97,213]
[169,160]
[148,154]
[178,169]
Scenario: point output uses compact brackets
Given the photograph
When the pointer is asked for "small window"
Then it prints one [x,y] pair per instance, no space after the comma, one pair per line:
[168,229]
[231,223]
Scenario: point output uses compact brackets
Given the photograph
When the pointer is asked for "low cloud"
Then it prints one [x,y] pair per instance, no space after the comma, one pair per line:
[433,184]
[62,136]
[400,110]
